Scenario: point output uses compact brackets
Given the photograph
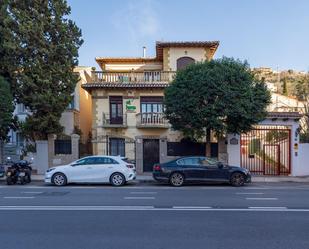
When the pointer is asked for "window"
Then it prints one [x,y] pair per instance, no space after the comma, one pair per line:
[105,160]
[189,161]
[204,161]
[21,108]
[63,147]
[116,111]
[152,104]
[117,147]
[86,161]
[183,62]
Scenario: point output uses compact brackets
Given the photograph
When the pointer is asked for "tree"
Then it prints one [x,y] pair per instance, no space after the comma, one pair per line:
[284,87]
[221,96]
[304,122]
[45,50]
[6,108]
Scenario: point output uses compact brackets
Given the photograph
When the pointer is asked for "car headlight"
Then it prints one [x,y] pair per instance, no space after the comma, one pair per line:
[49,170]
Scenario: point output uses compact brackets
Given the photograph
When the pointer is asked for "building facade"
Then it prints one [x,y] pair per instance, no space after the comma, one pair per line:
[127,103]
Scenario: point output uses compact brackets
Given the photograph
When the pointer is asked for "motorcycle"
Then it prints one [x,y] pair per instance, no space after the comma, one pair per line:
[18,172]
[2,171]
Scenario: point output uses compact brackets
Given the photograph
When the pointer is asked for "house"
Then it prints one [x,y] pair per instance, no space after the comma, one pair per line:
[127,103]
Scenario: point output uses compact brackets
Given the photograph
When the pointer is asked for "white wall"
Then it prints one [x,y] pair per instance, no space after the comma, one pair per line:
[198,54]
[302,164]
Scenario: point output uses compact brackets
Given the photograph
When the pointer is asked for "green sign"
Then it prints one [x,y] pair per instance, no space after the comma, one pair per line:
[130,106]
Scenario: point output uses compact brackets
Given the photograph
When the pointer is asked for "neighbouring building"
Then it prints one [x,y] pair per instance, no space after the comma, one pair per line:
[76,119]
[127,104]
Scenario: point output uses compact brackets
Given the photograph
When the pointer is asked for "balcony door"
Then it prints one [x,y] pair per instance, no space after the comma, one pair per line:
[151,109]
[116,110]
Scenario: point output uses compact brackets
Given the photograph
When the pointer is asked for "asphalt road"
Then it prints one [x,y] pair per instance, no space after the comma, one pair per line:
[155,216]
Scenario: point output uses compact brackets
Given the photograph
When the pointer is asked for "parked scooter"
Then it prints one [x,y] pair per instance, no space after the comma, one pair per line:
[2,171]
[18,172]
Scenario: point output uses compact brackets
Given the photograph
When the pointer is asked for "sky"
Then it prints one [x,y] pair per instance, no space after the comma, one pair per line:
[266,33]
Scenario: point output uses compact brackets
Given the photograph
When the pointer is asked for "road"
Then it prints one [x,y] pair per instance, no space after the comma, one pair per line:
[155,216]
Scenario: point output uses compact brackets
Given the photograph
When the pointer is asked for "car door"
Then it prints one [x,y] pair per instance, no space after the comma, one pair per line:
[103,168]
[82,170]
[212,170]
[192,168]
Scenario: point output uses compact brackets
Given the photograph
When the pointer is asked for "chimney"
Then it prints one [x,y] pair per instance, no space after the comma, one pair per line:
[144,52]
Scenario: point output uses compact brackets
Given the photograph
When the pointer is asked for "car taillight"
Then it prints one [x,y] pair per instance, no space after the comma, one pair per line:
[157,167]
[130,166]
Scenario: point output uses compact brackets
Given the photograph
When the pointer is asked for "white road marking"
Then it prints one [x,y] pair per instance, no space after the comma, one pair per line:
[262,199]
[18,197]
[32,192]
[145,208]
[192,207]
[268,207]
[248,193]
[139,198]
[143,193]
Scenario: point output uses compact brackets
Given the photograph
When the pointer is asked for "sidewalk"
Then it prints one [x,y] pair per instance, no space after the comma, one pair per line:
[148,178]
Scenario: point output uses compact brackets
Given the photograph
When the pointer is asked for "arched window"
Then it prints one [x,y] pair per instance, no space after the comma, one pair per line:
[183,62]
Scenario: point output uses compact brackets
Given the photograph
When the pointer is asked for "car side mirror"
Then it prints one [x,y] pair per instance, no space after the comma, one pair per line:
[220,165]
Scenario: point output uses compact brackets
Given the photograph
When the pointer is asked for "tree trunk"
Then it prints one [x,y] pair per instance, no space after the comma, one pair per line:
[208,142]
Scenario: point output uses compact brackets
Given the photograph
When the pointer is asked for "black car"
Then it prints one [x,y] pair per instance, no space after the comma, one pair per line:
[199,169]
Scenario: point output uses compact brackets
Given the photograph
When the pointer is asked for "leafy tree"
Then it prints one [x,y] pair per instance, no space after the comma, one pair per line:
[45,47]
[6,108]
[220,95]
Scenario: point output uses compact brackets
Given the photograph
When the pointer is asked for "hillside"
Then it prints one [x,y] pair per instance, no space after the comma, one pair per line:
[289,83]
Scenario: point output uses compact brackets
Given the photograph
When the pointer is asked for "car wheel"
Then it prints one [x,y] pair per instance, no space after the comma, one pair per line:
[177,179]
[117,179]
[237,179]
[59,179]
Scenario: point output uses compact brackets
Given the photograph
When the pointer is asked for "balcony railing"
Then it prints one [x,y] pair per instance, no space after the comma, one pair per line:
[133,77]
[151,120]
[114,121]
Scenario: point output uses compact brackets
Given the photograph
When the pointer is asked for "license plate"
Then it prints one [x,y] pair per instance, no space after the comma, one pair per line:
[22,174]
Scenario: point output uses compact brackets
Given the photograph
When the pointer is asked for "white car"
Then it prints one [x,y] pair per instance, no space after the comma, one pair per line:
[92,169]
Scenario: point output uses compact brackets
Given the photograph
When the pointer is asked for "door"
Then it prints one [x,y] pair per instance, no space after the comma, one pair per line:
[151,154]
[103,168]
[82,170]
[192,168]
[212,171]
[116,110]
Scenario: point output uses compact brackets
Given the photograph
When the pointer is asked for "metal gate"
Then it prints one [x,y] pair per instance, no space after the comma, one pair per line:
[267,151]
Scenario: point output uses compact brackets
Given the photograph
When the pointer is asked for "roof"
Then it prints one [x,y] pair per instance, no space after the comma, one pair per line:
[89,86]
[295,115]
[213,45]
[124,59]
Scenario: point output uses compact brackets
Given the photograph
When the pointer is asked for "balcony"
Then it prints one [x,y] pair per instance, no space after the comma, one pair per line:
[151,120]
[119,121]
[132,77]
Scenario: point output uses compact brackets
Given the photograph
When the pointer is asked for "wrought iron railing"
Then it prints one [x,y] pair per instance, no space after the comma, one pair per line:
[114,121]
